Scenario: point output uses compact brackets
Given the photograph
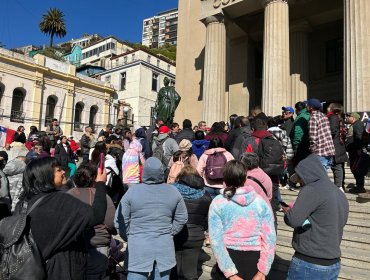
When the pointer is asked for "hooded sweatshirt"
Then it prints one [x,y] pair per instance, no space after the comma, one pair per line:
[148,216]
[199,146]
[243,223]
[14,171]
[130,163]
[140,134]
[326,208]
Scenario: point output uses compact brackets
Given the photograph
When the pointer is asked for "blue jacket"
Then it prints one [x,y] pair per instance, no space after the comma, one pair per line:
[199,146]
[148,217]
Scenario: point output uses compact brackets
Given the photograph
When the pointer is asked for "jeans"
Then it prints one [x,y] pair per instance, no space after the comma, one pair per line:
[213,192]
[326,161]
[153,275]
[301,270]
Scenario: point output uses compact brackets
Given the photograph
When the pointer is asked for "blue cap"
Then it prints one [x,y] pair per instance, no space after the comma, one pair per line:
[314,103]
[287,108]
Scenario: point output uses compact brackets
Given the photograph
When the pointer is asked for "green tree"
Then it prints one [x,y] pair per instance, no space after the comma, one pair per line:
[53,23]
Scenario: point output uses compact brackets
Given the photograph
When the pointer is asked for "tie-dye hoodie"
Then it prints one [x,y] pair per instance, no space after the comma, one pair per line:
[130,163]
[243,223]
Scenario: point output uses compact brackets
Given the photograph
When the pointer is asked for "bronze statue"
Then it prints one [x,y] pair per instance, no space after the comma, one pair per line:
[167,101]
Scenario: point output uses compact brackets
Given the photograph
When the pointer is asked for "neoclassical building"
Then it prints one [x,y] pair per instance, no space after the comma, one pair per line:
[235,54]
[35,90]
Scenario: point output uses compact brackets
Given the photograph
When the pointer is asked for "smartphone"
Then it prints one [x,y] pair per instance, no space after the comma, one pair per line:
[101,162]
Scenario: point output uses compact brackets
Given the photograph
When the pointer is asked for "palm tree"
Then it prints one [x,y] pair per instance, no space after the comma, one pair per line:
[53,24]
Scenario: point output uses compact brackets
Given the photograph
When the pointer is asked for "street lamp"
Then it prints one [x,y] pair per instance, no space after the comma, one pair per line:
[125,110]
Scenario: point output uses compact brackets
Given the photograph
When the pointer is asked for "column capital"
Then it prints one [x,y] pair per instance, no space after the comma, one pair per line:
[268,2]
[214,19]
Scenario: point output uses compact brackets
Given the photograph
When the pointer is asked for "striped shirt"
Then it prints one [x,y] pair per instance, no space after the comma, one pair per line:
[321,141]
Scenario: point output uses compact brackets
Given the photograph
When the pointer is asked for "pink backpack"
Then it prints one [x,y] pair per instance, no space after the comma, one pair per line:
[215,166]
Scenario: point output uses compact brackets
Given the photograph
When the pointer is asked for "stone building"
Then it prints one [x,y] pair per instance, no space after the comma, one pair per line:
[137,76]
[236,54]
[35,90]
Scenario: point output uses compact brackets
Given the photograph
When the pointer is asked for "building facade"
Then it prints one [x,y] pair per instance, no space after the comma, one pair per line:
[75,56]
[235,54]
[160,29]
[137,77]
[96,54]
[35,90]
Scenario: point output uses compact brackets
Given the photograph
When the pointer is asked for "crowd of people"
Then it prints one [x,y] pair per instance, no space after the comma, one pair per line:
[168,191]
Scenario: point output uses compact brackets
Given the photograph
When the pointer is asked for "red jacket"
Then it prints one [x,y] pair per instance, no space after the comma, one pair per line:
[74,145]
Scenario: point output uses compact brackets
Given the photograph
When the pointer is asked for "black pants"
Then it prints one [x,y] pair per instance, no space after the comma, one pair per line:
[245,262]
[187,261]
[338,172]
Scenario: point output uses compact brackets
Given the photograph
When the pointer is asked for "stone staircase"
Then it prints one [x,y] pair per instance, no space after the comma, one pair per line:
[355,244]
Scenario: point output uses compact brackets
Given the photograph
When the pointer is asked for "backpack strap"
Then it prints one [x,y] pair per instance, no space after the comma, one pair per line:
[259,183]
[37,202]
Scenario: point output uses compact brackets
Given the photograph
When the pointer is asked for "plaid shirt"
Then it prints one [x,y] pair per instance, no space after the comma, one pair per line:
[321,141]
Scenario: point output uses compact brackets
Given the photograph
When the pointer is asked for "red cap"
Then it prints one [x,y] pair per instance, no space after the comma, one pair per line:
[164,129]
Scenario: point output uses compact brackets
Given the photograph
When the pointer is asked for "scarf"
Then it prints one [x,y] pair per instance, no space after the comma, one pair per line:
[188,192]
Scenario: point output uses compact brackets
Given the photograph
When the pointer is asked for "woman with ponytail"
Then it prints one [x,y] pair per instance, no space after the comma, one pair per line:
[241,228]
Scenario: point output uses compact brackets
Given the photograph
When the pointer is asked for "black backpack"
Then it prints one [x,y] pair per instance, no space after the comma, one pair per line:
[215,166]
[19,256]
[271,156]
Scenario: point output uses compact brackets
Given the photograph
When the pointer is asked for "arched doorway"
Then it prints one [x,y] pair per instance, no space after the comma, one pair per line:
[78,116]
[92,118]
[17,114]
[51,103]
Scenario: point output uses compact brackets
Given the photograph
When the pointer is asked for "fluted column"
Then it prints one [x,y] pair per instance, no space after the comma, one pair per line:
[214,70]
[276,73]
[299,62]
[357,55]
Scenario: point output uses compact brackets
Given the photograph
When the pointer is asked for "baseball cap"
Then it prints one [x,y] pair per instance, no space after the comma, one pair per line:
[355,115]
[314,103]
[70,136]
[288,108]
[164,129]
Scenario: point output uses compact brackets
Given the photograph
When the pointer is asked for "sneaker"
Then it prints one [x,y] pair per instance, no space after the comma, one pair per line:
[357,190]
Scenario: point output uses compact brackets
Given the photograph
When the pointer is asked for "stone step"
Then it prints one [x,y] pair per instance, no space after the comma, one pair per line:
[282,261]
[353,225]
[351,257]
[360,225]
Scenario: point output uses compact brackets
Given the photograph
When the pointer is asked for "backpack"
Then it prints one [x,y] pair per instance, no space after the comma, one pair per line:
[215,166]
[19,256]
[175,169]
[158,152]
[271,155]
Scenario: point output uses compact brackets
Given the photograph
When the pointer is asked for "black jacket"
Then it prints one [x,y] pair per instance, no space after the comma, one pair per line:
[288,125]
[233,134]
[186,133]
[58,224]
[354,138]
[85,144]
[237,147]
[340,149]
[63,156]
[193,231]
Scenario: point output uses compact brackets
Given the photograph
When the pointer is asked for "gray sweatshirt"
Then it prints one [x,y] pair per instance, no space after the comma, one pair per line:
[324,205]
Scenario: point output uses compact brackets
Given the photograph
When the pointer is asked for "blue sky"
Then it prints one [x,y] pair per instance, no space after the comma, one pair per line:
[19,19]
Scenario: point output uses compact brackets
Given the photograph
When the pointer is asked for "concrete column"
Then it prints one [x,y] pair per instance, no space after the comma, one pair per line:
[67,114]
[276,73]
[214,81]
[299,62]
[357,55]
